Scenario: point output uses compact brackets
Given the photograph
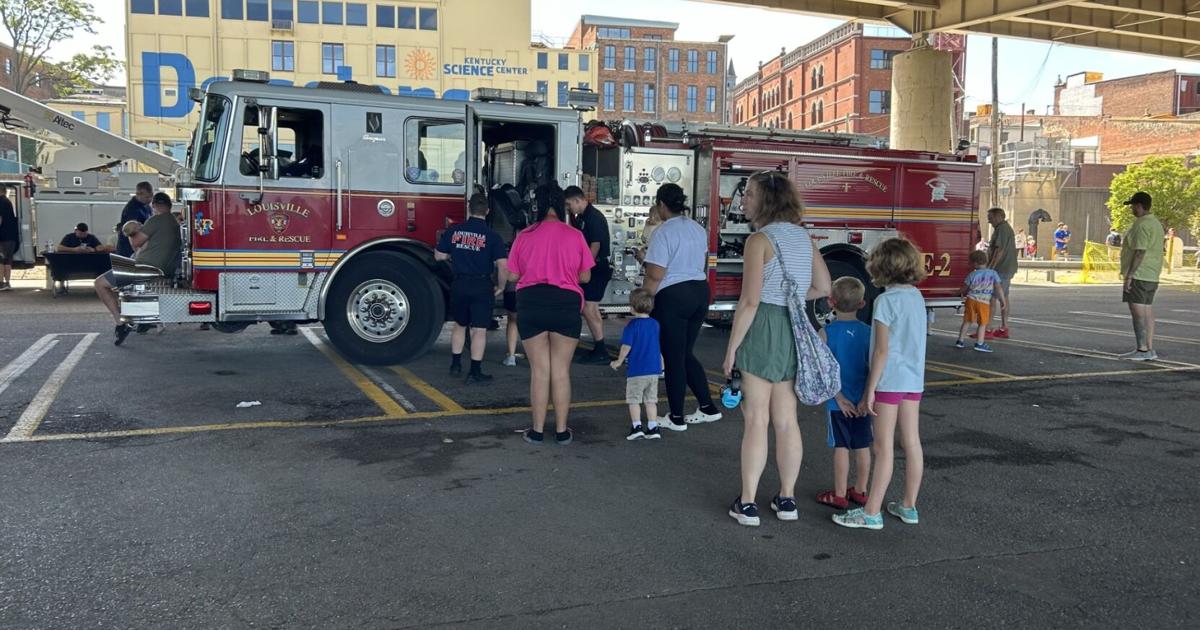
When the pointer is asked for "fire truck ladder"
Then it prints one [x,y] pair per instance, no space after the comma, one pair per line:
[770,133]
[26,117]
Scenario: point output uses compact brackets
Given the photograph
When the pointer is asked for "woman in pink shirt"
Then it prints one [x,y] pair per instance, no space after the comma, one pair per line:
[549,260]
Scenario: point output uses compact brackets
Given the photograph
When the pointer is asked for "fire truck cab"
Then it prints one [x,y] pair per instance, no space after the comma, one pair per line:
[325,204]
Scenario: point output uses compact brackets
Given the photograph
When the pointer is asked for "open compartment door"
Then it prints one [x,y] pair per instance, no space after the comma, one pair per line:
[474,150]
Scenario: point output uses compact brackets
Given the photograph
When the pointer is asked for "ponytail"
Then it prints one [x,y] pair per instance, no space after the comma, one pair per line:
[671,196]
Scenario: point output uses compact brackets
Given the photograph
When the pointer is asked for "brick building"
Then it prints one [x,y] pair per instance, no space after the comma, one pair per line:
[840,82]
[1167,93]
[644,72]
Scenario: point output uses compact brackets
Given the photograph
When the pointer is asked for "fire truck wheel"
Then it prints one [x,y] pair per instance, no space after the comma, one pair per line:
[384,308]
[820,312]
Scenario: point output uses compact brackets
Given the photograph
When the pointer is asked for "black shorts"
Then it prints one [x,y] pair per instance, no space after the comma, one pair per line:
[8,250]
[1140,292]
[593,291]
[471,302]
[546,308]
[510,301]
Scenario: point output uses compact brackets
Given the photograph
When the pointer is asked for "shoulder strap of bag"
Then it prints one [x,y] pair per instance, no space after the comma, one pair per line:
[787,276]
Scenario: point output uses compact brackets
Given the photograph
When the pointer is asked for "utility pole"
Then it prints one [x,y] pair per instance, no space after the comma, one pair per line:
[995,123]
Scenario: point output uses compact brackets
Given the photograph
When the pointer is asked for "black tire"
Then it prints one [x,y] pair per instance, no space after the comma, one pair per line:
[400,307]
[840,266]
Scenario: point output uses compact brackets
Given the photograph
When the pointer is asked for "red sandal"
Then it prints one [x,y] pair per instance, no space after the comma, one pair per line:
[833,500]
[856,496]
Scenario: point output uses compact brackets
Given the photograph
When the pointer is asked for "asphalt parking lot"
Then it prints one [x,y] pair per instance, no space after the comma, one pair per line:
[137,493]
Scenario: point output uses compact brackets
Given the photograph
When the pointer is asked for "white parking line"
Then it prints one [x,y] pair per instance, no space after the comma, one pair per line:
[29,421]
[14,370]
[1126,318]
[391,391]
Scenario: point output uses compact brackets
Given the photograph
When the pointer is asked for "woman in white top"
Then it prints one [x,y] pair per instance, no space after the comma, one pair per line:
[676,272]
[762,343]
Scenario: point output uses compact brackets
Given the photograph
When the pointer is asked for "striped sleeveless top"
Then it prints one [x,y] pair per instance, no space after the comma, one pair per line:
[797,249]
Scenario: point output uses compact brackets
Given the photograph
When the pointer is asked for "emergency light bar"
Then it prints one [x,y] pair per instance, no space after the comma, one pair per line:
[583,100]
[515,97]
[251,76]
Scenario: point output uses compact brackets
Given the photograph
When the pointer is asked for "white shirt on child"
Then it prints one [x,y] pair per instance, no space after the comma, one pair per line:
[902,309]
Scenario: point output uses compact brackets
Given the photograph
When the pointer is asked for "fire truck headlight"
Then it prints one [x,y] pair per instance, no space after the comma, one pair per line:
[185,176]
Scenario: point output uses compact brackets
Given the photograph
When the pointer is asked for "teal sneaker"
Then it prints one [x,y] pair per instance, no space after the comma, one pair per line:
[859,519]
[906,514]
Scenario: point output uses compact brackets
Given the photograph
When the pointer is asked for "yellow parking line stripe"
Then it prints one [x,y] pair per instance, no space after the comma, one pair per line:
[363,382]
[427,390]
[959,373]
[36,411]
[966,368]
[1059,377]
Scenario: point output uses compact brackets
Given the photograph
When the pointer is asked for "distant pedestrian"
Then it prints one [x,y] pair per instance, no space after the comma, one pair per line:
[896,381]
[1062,237]
[594,226]
[1141,265]
[1113,242]
[848,422]
[10,237]
[475,252]
[677,274]
[639,344]
[549,261]
[1022,241]
[1002,257]
[982,288]
[136,209]
[762,343]
[1031,248]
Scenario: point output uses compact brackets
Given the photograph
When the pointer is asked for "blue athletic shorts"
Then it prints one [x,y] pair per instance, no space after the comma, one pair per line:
[851,433]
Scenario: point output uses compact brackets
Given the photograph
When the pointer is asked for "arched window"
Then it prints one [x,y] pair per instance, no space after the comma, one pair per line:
[791,92]
[789,120]
[820,76]
[813,81]
[821,112]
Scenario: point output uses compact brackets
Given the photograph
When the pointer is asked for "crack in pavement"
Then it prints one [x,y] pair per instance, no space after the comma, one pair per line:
[775,582]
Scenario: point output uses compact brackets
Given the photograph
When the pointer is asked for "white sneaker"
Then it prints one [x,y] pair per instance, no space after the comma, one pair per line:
[665,422]
[700,417]
[1149,355]
[509,361]
[1128,355]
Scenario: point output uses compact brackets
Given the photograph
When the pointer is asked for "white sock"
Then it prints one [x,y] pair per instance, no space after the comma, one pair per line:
[651,425]
[637,424]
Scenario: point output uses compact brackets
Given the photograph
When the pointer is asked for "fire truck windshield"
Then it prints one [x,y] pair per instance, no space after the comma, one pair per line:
[210,138]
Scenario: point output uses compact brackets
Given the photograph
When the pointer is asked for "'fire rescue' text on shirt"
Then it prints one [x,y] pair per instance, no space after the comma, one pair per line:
[473,247]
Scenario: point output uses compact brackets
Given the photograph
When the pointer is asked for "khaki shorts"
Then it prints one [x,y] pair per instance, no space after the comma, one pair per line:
[641,389]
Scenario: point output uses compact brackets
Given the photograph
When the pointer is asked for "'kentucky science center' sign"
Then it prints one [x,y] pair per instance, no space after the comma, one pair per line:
[482,67]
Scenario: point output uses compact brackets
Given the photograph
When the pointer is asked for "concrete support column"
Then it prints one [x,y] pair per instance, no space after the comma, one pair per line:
[922,101]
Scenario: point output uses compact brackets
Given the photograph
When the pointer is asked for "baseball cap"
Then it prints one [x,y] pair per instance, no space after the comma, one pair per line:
[82,227]
[1140,198]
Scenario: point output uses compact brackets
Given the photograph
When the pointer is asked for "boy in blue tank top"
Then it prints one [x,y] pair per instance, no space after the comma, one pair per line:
[849,426]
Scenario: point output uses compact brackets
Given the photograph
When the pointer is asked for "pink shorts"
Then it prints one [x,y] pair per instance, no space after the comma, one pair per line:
[894,398]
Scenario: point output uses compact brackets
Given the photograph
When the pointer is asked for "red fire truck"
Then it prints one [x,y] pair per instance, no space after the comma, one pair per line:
[324,204]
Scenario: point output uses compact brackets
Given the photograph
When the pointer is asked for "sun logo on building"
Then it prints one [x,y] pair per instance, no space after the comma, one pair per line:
[420,64]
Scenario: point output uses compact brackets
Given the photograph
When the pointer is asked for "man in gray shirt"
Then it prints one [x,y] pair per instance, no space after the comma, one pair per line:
[158,244]
[1002,257]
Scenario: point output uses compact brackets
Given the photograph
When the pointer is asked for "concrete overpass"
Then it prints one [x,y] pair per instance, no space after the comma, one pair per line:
[1168,28]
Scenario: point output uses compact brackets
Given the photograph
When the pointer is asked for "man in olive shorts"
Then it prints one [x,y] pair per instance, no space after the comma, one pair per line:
[1002,256]
[1141,264]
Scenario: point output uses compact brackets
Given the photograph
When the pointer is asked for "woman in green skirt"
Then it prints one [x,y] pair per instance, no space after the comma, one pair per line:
[761,343]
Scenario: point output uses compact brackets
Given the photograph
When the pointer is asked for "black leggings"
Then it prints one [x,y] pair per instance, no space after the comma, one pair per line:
[680,310]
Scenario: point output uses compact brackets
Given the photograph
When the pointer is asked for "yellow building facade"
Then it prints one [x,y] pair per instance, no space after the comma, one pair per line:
[436,49]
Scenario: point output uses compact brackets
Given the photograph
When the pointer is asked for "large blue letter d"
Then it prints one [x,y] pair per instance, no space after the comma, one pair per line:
[152,88]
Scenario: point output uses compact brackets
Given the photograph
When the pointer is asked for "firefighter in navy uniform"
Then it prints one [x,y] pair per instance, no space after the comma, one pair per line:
[475,251]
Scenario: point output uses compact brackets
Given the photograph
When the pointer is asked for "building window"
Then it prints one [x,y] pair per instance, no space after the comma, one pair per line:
[308,12]
[232,9]
[710,100]
[610,95]
[712,62]
[543,61]
[584,85]
[650,60]
[385,16]
[429,19]
[881,59]
[256,10]
[385,61]
[144,7]
[693,61]
[673,60]
[585,62]
[78,114]
[880,102]
[196,8]
[610,57]
[791,90]
[170,7]
[543,88]
[104,121]
[356,14]
[630,58]
[630,94]
[8,66]
[564,61]
[283,56]
[331,12]
[648,99]
[691,98]
[406,17]
[563,88]
[332,57]
[612,33]
[789,120]
[281,10]
[672,98]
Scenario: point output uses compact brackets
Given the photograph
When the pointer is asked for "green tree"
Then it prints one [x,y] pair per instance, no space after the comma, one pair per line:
[1170,181]
[37,26]
[86,69]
